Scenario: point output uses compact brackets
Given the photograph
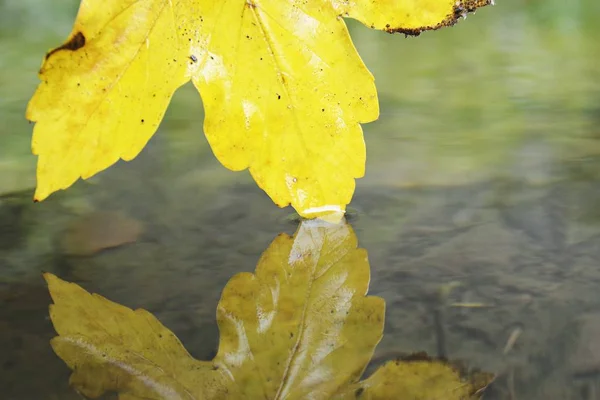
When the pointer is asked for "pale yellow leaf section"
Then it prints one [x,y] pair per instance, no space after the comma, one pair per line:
[284,92]
[417,380]
[407,16]
[299,327]
[283,88]
[104,93]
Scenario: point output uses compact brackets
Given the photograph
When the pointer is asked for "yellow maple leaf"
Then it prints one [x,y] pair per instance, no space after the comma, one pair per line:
[282,85]
[300,327]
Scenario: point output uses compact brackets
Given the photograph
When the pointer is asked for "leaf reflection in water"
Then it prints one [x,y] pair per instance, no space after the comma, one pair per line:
[300,327]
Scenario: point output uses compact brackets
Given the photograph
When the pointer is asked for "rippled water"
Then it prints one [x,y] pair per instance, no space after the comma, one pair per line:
[482,170]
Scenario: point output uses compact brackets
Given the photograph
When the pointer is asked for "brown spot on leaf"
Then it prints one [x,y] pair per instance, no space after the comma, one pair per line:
[75,43]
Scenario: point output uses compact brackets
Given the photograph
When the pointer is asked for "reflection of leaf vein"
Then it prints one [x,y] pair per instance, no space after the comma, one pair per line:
[294,363]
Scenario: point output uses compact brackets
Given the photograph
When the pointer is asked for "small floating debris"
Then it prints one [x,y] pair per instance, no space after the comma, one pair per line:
[471,305]
[98,231]
[512,339]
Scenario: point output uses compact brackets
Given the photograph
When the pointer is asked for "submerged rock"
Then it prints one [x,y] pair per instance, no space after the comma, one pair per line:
[97,231]
[585,359]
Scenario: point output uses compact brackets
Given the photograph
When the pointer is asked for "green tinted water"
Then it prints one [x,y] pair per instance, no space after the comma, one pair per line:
[482,169]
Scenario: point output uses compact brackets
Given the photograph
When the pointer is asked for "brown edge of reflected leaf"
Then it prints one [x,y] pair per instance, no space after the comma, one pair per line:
[460,10]
[478,379]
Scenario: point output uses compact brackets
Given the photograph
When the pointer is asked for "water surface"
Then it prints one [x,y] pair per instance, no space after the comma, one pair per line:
[482,170]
